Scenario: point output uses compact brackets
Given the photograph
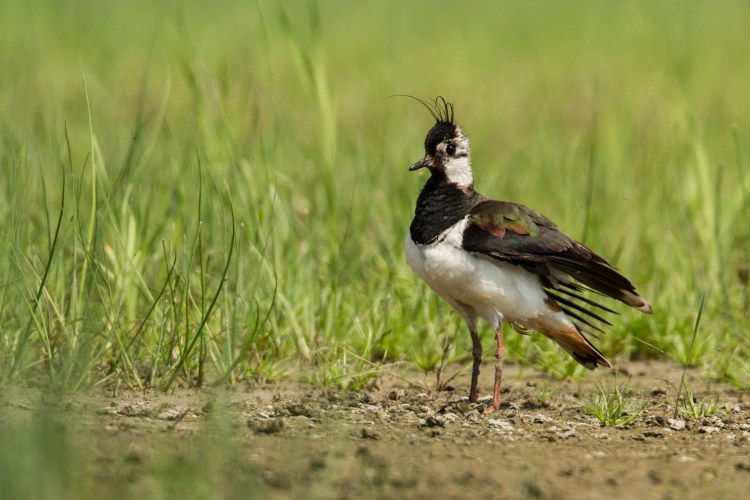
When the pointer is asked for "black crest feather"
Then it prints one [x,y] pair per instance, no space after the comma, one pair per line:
[440,109]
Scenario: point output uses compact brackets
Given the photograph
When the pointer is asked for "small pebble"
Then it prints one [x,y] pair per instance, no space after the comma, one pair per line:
[676,424]
[541,419]
[172,414]
[270,426]
[501,425]
[707,429]
[567,434]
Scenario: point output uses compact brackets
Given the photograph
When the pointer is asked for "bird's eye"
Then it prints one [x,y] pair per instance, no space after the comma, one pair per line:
[450,149]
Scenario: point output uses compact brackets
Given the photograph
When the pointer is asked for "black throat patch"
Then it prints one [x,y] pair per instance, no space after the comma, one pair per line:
[440,205]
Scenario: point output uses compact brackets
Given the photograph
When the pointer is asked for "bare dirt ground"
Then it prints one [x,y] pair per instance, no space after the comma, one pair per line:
[397,439]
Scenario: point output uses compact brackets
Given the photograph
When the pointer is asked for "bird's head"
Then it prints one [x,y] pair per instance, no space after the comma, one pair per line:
[446,146]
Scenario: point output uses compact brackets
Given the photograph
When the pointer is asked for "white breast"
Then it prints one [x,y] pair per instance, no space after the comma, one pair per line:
[491,287]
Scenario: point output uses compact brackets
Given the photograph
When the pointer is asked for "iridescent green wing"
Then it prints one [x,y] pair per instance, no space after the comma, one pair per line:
[507,230]
[513,233]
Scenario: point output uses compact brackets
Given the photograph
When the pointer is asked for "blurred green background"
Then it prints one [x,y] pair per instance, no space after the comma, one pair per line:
[236,193]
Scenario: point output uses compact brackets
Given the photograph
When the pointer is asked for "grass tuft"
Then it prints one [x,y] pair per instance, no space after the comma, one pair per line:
[614,406]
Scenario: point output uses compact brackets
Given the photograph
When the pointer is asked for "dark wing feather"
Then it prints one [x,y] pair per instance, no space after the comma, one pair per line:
[514,233]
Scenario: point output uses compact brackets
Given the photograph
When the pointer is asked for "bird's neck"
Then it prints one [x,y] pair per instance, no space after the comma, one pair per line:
[440,205]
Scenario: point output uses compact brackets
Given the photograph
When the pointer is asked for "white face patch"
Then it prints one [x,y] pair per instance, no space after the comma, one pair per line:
[458,171]
[457,166]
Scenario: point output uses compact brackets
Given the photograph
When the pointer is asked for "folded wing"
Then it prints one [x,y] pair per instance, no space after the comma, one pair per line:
[513,233]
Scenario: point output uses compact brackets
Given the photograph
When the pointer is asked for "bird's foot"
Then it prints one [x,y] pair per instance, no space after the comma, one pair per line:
[490,410]
[494,406]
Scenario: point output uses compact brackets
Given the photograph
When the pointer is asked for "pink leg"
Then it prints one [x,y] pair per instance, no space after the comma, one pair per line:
[476,352]
[499,357]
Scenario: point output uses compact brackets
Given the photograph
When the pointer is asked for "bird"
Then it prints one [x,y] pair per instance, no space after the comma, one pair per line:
[503,262]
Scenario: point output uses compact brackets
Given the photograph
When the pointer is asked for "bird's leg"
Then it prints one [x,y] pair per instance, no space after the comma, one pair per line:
[476,352]
[499,358]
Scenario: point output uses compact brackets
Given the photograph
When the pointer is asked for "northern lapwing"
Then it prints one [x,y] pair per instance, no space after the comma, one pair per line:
[501,261]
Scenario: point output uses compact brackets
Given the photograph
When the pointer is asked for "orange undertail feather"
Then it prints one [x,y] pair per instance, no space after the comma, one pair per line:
[570,338]
[565,324]
[580,348]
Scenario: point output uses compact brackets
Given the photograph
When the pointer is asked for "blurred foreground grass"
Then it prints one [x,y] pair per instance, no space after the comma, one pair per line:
[196,194]
[56,447]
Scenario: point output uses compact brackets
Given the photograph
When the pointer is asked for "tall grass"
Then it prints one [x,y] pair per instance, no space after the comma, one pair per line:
[196,195]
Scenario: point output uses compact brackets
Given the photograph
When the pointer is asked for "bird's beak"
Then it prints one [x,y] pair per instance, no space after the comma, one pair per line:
[424,162]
